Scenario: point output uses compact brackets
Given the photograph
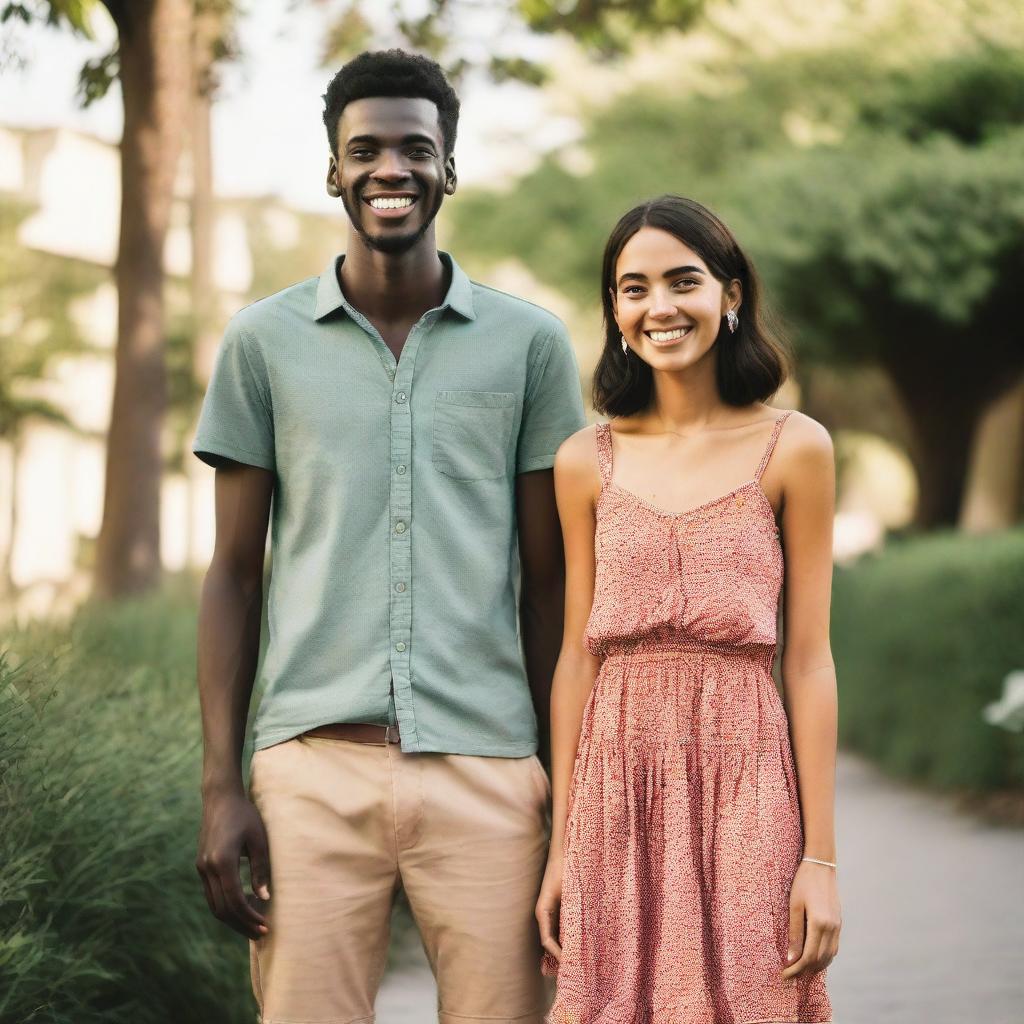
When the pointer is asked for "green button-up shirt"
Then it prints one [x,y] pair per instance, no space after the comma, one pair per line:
[393,594]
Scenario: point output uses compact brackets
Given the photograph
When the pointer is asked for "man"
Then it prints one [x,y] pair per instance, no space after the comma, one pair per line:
[396,424]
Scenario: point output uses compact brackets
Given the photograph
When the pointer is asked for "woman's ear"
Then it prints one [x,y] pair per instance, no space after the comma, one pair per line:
[732,296]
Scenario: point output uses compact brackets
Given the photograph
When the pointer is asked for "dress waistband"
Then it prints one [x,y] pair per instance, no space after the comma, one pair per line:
[763,654]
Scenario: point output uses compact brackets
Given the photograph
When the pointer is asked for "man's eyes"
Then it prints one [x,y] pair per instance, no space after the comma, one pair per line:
[369,154]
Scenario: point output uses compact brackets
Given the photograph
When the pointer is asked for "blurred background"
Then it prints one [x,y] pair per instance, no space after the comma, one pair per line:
[162,164]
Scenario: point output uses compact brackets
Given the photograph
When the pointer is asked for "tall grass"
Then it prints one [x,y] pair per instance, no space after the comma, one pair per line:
[102,916]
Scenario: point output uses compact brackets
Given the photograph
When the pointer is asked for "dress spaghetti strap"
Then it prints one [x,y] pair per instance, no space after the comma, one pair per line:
[604,453]
[770,447]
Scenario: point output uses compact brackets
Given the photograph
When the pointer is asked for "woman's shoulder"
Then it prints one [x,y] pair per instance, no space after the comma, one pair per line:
[576,460]
[578,448]
[803,441]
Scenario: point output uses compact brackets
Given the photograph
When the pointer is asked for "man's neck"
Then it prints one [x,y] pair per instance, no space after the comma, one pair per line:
[393,288]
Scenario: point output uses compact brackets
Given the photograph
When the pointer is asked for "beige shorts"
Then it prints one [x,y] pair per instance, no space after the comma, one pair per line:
[350,823]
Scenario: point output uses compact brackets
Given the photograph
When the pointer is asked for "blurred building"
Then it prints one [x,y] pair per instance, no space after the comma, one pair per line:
[51,483]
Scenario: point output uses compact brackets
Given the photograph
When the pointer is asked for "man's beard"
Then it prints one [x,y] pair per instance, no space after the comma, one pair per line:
[391,244]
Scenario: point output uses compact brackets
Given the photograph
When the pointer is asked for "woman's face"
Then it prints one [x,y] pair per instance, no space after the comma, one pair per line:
[668,305]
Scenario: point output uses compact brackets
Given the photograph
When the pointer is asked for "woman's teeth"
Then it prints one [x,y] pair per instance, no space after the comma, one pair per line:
[668,335]
[391,204]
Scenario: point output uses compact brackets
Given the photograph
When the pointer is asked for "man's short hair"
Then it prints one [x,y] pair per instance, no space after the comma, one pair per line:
[391,73]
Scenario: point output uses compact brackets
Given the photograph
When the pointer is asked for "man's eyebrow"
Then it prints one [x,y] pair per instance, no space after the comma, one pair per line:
[675,271]
[406,140]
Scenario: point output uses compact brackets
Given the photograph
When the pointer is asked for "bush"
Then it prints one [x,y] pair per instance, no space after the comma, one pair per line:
[102,916]
[923,636]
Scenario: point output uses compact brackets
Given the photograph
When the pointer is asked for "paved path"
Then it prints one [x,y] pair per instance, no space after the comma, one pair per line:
[933,909]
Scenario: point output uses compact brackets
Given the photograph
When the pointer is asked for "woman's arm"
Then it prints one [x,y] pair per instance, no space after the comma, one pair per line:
[807,468]
[577,484]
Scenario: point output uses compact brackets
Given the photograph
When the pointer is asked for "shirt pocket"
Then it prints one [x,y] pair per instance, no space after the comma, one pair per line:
[471,433]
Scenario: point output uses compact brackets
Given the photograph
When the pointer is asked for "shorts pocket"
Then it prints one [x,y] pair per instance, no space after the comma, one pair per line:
[541,776]
[471,433]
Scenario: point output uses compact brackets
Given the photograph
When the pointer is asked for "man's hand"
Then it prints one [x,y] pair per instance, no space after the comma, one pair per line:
[232,828]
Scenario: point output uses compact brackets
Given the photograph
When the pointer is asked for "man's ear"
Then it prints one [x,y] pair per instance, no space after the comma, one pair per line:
[332,178]
[451,179]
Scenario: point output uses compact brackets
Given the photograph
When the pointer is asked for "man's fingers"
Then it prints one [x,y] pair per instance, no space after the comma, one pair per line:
[240,914]
[207,892]
[259,864]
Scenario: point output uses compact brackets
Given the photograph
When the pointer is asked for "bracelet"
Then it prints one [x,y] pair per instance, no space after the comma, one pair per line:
[814,860]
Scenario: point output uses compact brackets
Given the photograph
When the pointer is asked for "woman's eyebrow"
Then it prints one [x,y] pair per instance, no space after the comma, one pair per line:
[674,272]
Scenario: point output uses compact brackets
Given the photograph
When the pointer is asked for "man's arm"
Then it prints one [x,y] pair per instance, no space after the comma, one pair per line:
[542,597]
[229,641]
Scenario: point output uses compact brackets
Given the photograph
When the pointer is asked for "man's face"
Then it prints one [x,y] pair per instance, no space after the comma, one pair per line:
[391,172]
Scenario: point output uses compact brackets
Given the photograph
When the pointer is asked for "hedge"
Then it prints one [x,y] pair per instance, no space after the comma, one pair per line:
[923,635]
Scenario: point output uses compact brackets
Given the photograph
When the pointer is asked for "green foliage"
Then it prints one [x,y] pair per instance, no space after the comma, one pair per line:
[609,27]
[800,154]
[36,293]
[102,917]
[76,13]
[923,635]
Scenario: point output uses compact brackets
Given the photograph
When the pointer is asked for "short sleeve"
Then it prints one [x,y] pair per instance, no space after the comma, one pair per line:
[552,406]
[236,421]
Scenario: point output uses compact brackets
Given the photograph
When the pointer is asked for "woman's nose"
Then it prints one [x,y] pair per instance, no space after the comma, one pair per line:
[661,308]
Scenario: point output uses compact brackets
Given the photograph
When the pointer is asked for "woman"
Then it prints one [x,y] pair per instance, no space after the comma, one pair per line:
[691,878]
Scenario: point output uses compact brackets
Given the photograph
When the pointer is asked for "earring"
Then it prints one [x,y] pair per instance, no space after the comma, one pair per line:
[625,347]
[732,320]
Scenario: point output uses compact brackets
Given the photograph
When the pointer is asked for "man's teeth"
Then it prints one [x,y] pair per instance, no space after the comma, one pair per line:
[391,204]
[668,335]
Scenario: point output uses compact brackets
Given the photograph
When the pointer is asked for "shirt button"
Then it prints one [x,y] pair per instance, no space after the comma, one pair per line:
[399,527]
[400,397]
[400,470]
[400,646]
[400,587]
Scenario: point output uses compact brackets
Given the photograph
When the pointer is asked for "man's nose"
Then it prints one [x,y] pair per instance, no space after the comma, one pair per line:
[391,167]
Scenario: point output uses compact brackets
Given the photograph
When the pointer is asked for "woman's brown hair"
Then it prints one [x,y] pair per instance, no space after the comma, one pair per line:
[750,365]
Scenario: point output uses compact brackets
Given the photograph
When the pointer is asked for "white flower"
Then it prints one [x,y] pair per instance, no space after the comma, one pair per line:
[1008,711]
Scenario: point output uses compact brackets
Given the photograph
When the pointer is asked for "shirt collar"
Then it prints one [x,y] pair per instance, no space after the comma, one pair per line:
[329,296]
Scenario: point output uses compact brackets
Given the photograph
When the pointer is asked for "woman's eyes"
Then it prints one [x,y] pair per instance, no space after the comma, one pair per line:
[638,289]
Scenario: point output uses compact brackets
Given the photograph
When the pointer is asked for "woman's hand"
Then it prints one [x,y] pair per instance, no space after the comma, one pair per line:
[548,904]
[814,920]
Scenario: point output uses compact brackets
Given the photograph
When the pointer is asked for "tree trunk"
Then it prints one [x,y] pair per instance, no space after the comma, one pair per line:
[208,27]
[154,53]
[995,479]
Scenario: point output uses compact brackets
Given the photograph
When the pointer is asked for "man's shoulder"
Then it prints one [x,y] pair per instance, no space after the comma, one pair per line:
[532,317]
[260,314]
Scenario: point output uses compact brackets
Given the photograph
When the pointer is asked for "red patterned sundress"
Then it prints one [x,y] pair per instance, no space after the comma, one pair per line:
[683,832]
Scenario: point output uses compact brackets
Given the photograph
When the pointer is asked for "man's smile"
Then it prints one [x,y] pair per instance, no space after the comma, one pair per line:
[390,204]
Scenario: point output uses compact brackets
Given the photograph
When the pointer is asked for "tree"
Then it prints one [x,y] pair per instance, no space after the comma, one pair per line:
[604,28]
[881,201]
[153,62]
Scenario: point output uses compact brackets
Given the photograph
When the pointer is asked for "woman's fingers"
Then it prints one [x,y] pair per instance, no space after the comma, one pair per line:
[796,932]
[547,921]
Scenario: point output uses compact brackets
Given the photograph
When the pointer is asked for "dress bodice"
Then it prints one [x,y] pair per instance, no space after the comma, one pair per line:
[711,575]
